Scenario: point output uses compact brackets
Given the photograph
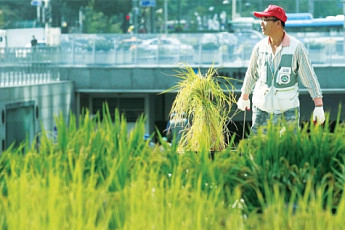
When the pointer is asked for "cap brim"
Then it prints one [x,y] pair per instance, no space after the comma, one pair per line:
[262,14]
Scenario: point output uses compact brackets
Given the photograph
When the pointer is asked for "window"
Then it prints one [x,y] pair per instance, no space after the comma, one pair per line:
[132,107]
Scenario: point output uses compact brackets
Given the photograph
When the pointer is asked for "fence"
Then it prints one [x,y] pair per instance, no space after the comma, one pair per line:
[41,64]
[23,66]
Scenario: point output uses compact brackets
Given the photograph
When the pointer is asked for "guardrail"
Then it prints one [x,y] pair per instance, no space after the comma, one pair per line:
[17,77]
[222,49]
[25,66]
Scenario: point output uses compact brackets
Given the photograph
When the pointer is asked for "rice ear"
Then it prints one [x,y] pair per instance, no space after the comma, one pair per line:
[206,101]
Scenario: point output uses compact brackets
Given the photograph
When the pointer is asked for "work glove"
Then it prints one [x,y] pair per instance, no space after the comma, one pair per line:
[319,115]
[243,104]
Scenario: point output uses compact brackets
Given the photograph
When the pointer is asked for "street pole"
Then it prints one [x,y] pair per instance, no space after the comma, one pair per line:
[297,6]
[233,9]
[165,16]
[46,9]
[81,19]
[152,19]
[39,14]
[47,19]
[135,11]
[344,28]
[311,7]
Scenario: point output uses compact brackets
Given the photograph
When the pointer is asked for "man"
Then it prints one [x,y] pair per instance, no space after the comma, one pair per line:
[276,64]
[33,41]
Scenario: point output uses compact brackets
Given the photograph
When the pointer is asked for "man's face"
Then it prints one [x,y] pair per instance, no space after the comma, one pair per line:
[268,25]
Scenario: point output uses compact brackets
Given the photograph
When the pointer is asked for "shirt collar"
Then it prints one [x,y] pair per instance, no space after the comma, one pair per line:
[285,41]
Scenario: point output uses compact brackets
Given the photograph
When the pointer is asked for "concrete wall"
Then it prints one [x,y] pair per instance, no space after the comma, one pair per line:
[79,84]
[157,79]
[152,81]
[116,79]
[49,101]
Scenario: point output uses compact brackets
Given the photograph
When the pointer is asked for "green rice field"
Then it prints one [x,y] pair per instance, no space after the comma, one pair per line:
[96,175]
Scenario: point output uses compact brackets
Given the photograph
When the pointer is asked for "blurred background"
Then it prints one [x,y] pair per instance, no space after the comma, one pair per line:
[148,16]
[72,55]
[142,32]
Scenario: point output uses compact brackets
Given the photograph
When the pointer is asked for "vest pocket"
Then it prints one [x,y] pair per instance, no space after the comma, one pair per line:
[283,77]
[259,96]
[286,99]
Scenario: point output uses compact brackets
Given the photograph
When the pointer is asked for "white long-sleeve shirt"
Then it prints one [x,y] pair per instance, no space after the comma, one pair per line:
[301,65]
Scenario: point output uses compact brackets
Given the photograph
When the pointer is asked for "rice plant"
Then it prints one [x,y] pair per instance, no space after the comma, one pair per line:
[201,98]
[290,160]
[99,176]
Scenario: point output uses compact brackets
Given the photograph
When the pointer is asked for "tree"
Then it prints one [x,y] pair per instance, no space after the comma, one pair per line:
[113,12]
[16,11]
[98,22]
[113,7]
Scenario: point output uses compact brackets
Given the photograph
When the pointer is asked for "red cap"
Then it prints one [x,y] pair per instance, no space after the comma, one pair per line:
[273,11]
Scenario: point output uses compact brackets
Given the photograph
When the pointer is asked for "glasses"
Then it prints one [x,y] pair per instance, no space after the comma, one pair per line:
[269,19]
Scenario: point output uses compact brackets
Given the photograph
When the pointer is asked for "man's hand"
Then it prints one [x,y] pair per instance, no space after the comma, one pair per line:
[243,104]
[319,115]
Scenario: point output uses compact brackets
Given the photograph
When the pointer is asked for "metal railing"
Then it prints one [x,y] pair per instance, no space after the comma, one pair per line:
[17,77]
[40,65]
[223,49]
[151,49]
[25,66]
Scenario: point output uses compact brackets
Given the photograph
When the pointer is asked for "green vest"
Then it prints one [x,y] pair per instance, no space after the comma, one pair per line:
[276,90]
[284,77]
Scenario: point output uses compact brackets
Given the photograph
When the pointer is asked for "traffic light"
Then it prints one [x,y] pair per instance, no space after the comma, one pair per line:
[48,14]
[129,18]
[126,22]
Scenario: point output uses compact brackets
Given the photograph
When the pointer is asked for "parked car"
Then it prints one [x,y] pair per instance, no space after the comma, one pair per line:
[100,44]
[251,36]
[167,48]
[247,40]
[228,44]
[127,50]
[129,43]
[209,41]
